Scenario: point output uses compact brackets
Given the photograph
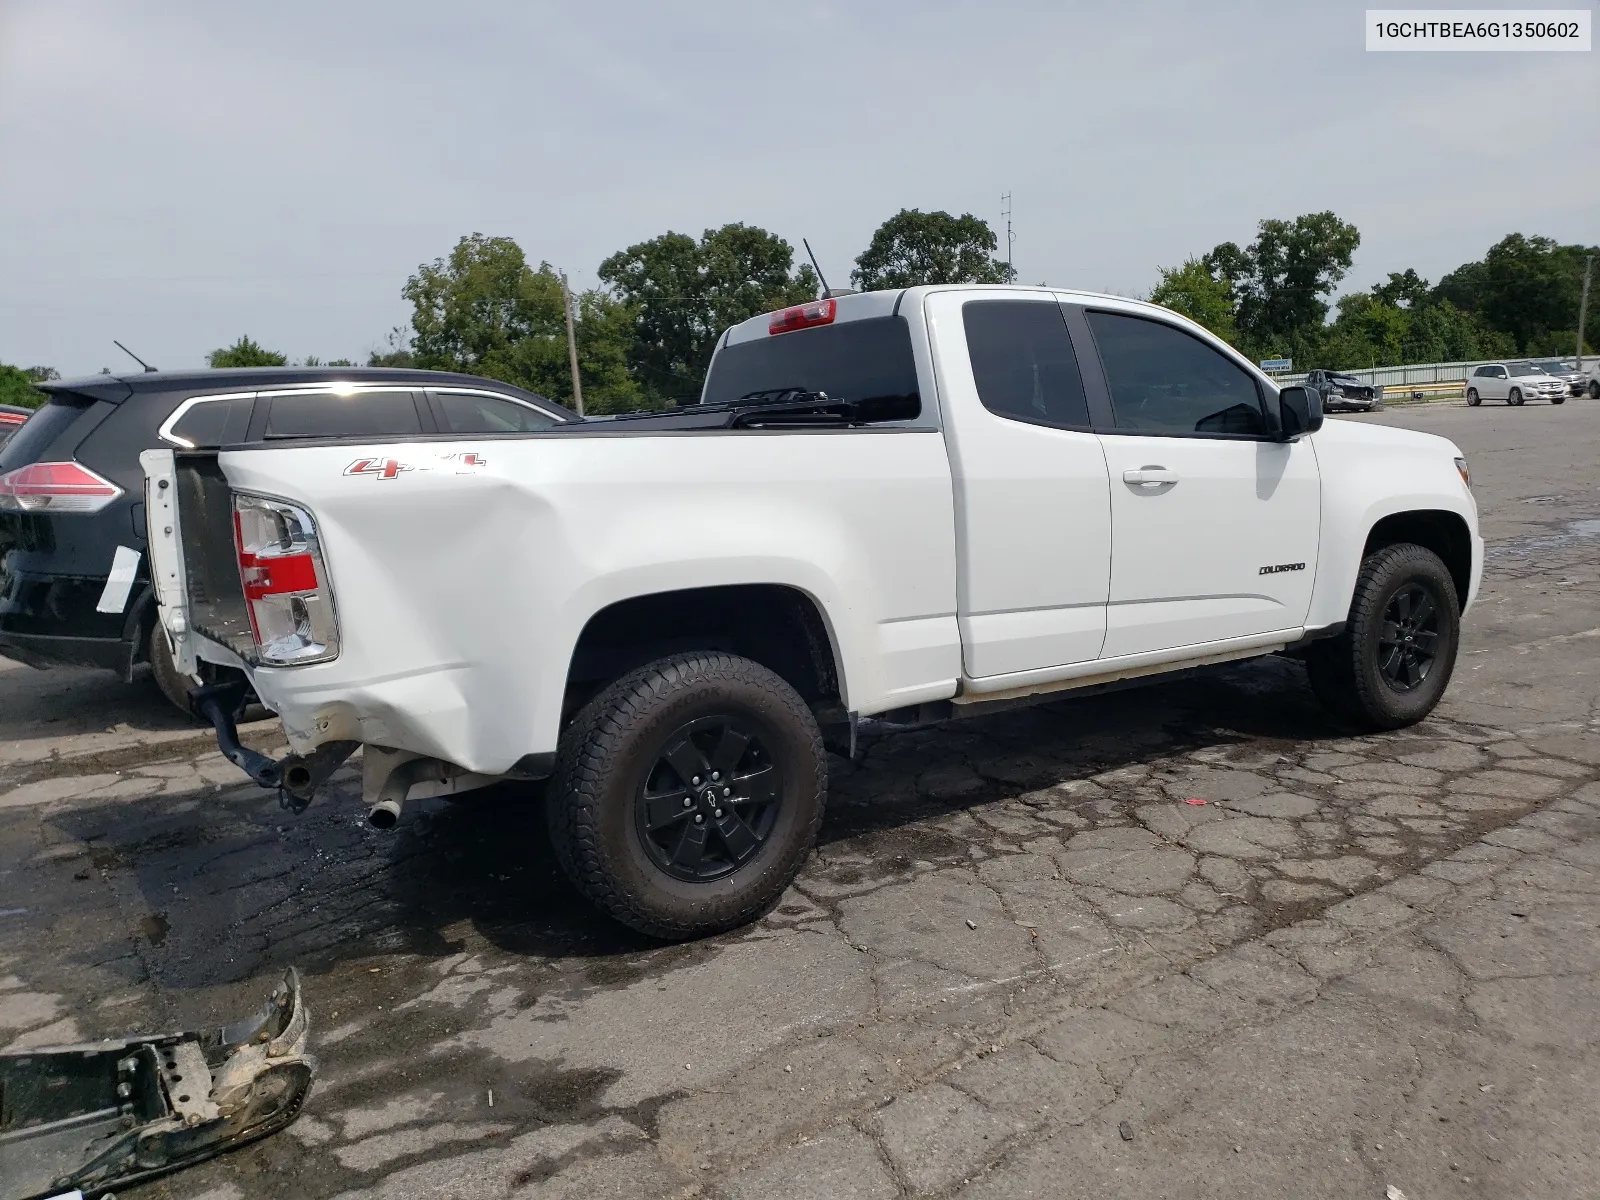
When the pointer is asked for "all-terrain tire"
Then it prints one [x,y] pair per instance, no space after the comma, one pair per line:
[1346,672]
[613,753]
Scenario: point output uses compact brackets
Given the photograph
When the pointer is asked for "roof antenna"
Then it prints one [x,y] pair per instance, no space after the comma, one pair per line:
[148,368]
[825,288]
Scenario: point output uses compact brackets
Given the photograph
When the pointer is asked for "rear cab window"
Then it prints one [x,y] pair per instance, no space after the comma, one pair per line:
[867,362]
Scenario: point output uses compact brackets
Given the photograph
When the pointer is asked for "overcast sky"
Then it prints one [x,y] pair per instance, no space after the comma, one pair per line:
[177,172]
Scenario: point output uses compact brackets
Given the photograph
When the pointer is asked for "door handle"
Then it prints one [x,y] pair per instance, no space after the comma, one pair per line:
[1149,476]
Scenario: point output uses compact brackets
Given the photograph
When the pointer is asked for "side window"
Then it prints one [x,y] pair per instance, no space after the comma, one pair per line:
[1163,380]
[470,412]
[328,415]
[212,423]
[1023,362]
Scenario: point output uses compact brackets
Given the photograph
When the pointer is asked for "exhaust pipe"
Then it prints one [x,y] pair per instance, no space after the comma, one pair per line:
[385,814]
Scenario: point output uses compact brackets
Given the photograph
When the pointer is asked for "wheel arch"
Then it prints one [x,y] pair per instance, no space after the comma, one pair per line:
[1444,532]
[780,626]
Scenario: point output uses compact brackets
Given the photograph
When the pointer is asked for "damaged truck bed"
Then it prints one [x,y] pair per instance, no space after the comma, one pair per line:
[94,1117]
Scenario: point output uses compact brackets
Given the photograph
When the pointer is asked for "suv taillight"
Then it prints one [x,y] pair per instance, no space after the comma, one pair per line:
[55,487]
[286,594]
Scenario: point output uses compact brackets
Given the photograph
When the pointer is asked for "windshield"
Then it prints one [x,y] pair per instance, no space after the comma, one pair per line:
[1525,368]
[862,361]
[1554,368]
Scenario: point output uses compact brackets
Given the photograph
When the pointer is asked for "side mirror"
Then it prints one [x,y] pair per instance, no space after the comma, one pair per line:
[1299,412]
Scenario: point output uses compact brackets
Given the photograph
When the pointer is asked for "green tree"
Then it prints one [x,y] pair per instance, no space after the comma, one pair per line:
[245,353]
[1528,289]
[1281,280]
[1405,289]
[16,384]
[1532,286]
[915,247]
[484,311]
[1199,294]
[399,352]
[682,293]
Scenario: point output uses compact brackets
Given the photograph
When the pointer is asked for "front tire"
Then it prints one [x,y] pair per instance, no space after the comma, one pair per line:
[1558,399]
[1594,389]
[1472,398]
[687,795]
[1391,665]
[1515,399]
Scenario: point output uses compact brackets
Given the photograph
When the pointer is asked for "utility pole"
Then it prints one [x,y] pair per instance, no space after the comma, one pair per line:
[572,346]
[1005,211]
[1583,306]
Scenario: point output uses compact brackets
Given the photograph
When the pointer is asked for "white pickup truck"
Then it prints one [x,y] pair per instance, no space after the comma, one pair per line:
[913,505]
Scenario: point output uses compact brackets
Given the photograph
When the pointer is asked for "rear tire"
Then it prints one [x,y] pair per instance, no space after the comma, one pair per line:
[1472,398]
[644,829]
[1391,665]
[1594,389]
[173,684]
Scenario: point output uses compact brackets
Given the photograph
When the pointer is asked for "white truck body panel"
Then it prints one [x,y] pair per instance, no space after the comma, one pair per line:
[961,556]
[1034,511]
[472,588]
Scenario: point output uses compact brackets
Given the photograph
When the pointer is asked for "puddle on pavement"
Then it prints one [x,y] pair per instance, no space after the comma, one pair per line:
[1569,534]
[155,927]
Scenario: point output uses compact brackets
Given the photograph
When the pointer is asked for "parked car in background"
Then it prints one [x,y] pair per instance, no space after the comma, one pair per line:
[11,419]
[74,576]
[1575,379]
[1515,383]
[1345,392]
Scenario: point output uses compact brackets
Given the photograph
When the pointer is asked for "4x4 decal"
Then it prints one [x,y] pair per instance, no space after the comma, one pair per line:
[463,463]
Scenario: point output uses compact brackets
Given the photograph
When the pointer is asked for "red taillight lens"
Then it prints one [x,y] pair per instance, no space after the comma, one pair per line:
[55,487]
[291,610]
[803,316]
[11,419]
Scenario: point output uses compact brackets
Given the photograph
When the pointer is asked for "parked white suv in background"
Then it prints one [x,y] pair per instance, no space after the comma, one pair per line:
[916,505]
[1515,383]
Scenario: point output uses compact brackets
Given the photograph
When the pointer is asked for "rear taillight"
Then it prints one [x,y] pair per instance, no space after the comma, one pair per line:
[55,487]
[803,316]
[286,592]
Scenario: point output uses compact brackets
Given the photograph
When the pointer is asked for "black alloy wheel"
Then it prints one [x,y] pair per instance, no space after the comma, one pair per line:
[687,794]
[1408,638]
[1390,665]
[710,800]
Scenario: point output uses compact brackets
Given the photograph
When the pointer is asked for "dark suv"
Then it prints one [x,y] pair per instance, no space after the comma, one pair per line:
[74,575]
[1340,391]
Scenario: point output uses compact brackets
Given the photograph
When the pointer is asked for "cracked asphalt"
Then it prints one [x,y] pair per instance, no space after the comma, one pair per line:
[1194,939]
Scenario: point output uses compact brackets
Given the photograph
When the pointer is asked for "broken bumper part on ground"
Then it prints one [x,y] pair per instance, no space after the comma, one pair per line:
[105,1115]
